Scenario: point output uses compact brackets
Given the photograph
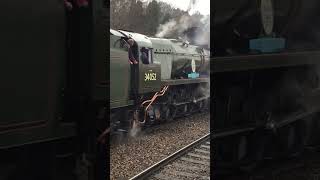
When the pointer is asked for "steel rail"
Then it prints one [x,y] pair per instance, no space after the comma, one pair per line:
[152,169]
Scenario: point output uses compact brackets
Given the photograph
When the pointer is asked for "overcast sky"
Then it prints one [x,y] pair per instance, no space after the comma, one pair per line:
[203,6]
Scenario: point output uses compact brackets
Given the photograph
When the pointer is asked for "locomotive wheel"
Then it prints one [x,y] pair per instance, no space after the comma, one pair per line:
[191,108]
[173,110]
[201,106]
[242,148]
[206,104]
[291,138]
[258,146]
[234,149]
[312,134]
[185,110]
[167,114]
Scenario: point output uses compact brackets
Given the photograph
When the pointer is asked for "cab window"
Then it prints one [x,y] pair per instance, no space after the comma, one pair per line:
[150,56]
[121,44]
[146,55]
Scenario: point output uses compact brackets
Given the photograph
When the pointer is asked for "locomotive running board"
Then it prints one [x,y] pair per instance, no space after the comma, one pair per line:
[193,101]
[286,121]
[184,81]
[263,61]
[230,132]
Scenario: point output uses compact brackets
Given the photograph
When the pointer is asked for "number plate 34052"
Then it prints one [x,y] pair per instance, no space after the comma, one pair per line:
[150,76]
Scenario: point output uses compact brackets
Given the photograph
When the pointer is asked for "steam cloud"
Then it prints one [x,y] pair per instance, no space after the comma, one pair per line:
[135,129]
[175,28]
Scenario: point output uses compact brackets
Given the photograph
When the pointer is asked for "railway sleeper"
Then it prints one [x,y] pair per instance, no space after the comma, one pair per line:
[183,174]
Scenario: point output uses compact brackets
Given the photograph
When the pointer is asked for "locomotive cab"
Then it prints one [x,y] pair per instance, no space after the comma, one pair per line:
[147,77]
[120,73]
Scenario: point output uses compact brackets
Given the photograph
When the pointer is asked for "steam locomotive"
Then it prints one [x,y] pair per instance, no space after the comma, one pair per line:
[170,81]
[266,81]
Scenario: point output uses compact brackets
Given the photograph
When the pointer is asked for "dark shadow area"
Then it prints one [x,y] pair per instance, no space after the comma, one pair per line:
[265,86]
[54,92]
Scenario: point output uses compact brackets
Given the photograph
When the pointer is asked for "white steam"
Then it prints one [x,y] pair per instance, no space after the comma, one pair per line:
[177,27]
[166,28]
[134,131]
[203,35]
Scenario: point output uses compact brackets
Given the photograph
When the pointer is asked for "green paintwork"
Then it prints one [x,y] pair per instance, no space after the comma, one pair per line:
[174,82]
[119,74]
[99,54]
[37,135]
[163,54]
[168,56]
[146,86]
[142,40]
[174,56]
[120,70]
[32,71]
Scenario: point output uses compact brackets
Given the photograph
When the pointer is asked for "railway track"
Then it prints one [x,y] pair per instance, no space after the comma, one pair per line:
[190,162]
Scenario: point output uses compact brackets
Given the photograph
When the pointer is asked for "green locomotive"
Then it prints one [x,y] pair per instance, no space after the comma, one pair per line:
[170,80]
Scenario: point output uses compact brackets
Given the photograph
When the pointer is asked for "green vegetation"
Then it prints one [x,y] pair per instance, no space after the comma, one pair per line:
[152,17]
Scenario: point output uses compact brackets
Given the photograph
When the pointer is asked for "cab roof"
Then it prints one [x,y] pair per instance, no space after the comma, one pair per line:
[116,33]
[159,44]
[141,39]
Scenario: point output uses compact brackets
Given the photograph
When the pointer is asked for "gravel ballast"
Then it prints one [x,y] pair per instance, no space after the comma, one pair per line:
[138,153]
